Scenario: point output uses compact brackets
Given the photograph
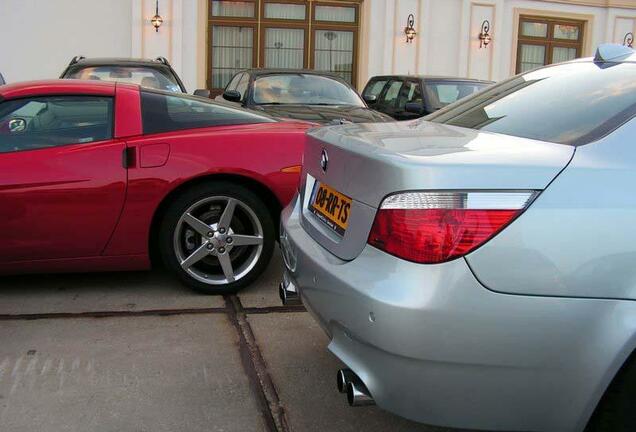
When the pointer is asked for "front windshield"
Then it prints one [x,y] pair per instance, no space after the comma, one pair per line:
[571,103]
[143,76]
[305,89]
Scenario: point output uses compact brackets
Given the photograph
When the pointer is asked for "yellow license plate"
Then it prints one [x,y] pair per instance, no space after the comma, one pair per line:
[331,207]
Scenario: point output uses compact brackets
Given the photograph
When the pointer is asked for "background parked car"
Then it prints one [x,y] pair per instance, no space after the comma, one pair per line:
[476,269]
[2,81]
[406,97]
[92,179]
[156,74]
[299,94]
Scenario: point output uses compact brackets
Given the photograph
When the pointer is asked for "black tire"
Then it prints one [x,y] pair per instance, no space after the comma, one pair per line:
[173,221]
[616,412]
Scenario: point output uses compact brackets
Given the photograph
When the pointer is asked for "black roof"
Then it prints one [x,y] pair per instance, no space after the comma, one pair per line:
[110,61]
[272,71]
[433,78]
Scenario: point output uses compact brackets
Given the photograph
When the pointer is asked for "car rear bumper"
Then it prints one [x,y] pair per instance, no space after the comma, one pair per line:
[433,345]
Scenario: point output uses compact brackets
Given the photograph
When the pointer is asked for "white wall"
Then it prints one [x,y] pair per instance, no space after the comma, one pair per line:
[39,37]
[447,42]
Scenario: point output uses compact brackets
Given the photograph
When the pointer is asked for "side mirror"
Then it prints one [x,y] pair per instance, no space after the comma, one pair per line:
[415,107]
[232,96]
[205,93]
[370,99]
[17,125]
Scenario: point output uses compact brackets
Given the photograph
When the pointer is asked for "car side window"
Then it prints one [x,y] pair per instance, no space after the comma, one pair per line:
[391,93]
[241,87]
[374,88]
[410,92]
[234,82]
[41,122]
[165,112]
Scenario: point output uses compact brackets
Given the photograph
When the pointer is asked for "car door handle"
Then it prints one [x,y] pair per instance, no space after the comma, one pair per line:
[128,157]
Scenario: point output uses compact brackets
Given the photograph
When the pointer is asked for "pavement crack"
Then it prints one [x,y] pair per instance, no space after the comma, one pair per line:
[256,369]
[111,314]
[274,309]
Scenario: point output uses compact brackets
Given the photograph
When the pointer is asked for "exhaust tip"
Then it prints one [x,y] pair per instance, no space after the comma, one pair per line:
[343,377]
[288,295]
[358,395]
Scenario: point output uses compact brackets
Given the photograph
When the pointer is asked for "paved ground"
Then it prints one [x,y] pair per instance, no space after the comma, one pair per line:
[138,352]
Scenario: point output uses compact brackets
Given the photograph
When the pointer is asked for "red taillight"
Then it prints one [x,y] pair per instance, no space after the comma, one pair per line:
[434,227]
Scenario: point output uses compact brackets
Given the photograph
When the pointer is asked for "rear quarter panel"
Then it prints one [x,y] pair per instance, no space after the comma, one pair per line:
[578,238]
[258,152]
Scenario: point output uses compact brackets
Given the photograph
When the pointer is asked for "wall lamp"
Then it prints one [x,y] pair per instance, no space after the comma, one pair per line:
[629,40]
[156,20]
[409,30]
[484,35]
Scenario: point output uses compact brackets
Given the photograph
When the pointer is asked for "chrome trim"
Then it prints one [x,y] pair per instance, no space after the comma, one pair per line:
[453,200]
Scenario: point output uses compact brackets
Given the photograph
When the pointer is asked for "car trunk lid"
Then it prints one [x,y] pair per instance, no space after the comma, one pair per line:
[367,162]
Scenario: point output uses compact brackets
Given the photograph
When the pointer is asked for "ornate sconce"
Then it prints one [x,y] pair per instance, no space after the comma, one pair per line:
[629,40]
[156,20]
[409,30]
[484,35]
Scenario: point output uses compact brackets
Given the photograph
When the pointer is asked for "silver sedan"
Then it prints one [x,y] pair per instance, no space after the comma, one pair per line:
[477,268]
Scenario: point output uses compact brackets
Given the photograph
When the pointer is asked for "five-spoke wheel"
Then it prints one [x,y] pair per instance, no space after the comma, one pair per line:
[217,237]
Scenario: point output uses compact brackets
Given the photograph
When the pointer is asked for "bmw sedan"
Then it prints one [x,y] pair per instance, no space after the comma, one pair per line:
[476,268]
[98,176]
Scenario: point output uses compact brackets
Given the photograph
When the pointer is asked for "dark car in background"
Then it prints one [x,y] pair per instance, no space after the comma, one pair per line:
[299,94]
[156,74]
[406,97]
[2,81]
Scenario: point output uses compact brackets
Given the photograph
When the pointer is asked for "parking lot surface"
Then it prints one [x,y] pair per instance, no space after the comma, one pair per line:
[140,352]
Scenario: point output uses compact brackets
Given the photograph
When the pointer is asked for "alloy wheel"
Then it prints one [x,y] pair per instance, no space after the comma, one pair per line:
[218,240]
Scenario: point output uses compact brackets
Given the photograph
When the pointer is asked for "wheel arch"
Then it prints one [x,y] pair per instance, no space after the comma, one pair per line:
[264,192]
[625,360]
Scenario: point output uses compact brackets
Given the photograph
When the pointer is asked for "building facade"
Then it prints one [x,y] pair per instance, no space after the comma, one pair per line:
[208,40]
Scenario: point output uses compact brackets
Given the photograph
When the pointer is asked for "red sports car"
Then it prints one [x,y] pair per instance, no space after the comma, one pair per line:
[99,176]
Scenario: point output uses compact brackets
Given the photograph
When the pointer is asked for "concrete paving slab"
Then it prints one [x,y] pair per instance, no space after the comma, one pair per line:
[264,292]
[294,348]
[155,374]
[119,291]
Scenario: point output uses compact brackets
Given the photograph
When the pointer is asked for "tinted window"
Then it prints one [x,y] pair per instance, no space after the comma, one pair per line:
[242,85]
[304,89]
[572,103]
[163,112]
[374,88]
[155,78]
[392,92]
[34,123]
[440,94]
[234,82]
[410,92]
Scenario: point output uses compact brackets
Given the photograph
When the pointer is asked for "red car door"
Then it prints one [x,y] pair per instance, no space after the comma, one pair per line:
[62,181]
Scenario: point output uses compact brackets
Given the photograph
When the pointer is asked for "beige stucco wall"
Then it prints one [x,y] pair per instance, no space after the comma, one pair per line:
[43,36]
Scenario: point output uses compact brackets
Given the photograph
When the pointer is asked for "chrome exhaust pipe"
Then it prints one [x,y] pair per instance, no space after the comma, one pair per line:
[343,377]
[358,394]
[288,292]
[351,384]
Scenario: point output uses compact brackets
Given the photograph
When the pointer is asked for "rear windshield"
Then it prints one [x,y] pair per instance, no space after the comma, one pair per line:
[154,78]
[166,112]
[572,103]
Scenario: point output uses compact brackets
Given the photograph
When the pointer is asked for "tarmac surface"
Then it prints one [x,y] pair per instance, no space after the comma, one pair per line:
[140,352]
